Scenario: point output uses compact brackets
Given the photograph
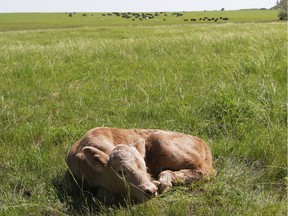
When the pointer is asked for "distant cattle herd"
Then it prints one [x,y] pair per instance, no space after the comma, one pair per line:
[156,16]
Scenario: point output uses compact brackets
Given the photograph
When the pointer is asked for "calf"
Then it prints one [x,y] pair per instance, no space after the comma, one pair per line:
[138,163]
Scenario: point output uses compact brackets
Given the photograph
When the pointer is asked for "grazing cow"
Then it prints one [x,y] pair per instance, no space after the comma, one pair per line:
[137,163]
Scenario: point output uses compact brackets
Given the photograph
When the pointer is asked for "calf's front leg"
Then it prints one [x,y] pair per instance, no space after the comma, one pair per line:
[169,178]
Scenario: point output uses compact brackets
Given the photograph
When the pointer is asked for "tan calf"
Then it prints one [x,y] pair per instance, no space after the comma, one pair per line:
[137,162]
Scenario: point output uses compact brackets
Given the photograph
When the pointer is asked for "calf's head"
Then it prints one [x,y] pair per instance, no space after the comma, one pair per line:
[123,170]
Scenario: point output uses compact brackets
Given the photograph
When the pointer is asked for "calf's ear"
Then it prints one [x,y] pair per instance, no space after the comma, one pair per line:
[96,158]
[140,146]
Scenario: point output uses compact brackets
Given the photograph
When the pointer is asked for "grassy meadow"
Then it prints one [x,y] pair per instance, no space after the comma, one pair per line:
[224,82]
[25,21]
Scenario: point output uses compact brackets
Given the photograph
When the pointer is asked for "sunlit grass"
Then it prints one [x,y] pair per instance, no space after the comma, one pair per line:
[225,83]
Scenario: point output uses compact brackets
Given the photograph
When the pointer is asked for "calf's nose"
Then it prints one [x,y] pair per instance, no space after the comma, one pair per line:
[151,191]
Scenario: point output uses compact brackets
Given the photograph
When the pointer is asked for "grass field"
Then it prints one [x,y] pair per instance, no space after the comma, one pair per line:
[25,21]
[224,82]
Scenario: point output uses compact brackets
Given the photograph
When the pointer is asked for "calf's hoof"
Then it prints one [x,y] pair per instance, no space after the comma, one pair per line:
[165,178]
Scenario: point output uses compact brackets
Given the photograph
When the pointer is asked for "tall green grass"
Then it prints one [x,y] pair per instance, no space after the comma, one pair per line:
[224,83]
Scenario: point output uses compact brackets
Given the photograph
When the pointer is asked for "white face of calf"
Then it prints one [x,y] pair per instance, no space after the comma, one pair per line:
[125,169]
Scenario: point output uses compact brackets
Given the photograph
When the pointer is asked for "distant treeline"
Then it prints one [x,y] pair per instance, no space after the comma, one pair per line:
[281,5]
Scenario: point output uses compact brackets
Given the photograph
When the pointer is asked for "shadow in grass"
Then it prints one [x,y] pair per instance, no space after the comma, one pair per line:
[81,199]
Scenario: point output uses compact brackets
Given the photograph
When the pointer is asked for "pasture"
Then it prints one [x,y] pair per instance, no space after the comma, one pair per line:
[25,21]
[224,82]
